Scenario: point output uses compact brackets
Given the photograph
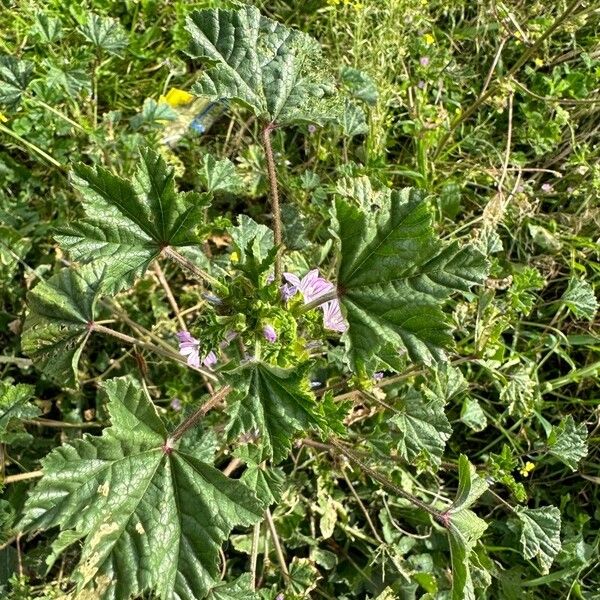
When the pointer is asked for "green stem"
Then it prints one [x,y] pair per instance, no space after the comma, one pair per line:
[31,146]
[277,544]
[272,177]
[572,377]
[59,114]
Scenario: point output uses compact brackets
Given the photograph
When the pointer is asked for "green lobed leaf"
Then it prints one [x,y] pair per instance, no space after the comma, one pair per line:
[568,442]
[104,33]
[540,534]
[15,76]
[56,328]
[275,71]
[465,529]
[154,113]
[255,246]
[129,223]
[219,175]
[49,29]
[580,299]
[394,275]
[14,407]
[274,403]
[150,518]
[423,429]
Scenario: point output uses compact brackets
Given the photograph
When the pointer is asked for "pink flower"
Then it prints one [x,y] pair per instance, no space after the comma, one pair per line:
[313,286]
[189,346]
[424,61]
[332,316]
[546,187]
[269,333]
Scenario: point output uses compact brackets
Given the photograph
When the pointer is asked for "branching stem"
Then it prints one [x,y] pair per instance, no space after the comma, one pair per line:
[272,177]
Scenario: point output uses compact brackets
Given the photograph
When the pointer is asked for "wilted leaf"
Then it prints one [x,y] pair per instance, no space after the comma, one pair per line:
[580,299]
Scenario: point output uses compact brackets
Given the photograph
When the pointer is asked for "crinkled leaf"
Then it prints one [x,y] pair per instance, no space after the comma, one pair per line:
[15,76]
[255,247]
[540,534]
[104,33]
[14,407]
[267,484]
[149,519]
[568,442]
[395,274]
[129,223]
[361,86]
[219,175]
[238,589]
[580,299]
[275,71]
[56,328]
[423,429]
[274,403]
[465,529]
[472,415]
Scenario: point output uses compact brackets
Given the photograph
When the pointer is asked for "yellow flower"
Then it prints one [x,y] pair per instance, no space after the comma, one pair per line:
[527,468]
[234,257]
[3,118]
[538,62]
[428,39]
[176,97]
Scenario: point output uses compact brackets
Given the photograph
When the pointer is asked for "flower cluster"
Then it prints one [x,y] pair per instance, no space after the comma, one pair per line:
[313,286]
[189,346]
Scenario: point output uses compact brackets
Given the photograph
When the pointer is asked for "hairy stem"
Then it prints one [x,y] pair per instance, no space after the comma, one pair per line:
[350,455]
[193,419]
[332,295]
[195,270]
[168,292]
[272,176]
[254,554]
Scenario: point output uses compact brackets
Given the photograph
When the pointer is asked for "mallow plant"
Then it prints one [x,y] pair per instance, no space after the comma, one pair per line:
[149,512]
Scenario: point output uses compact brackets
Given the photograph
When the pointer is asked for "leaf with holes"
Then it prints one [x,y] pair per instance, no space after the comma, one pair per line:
[129,223]
[395,274]
[56,328]
[275,71]
[151,519]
